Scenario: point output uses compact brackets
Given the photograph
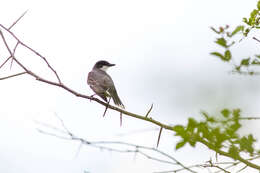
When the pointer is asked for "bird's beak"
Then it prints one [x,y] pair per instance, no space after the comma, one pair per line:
[110,65]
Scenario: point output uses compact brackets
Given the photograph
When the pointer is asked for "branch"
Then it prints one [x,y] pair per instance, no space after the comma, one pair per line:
[61,85]
[17,20]
[210,146]
[32,50]
[68,135]
[256,39]
[149,111]
[5,60]
[14,75]
[159,137]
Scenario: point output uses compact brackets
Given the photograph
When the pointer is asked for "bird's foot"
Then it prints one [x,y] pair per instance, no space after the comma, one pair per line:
[92,97]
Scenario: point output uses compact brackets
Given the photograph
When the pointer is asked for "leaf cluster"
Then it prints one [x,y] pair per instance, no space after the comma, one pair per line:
[219,134]
[226,39]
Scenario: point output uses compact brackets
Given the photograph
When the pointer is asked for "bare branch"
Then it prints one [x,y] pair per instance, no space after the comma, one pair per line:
[121,119]
[37,53]
[159,137]
[15,47]
[249,118]
[242,169]
[149,111]
[63,125]
[5,61]
[51,127]
[6,45]
[256,39]
[14,75]
[52,134]
[17,20]
[103,145]
[106,107]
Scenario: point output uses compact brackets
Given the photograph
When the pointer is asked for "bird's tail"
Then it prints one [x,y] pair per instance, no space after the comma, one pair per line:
[115,97]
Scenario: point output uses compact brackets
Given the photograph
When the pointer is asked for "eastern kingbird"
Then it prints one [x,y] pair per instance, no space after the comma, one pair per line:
[102,84]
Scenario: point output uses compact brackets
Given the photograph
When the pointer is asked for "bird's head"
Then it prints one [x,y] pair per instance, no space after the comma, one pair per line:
[103,65]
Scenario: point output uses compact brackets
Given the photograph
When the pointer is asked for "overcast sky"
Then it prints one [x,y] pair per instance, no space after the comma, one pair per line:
[161,51]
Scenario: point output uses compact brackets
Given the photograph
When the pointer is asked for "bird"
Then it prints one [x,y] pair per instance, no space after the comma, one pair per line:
[102,84]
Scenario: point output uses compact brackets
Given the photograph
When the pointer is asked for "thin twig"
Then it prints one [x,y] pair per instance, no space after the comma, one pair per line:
[101,145]
[15,47]
[53,134]
[121,119]
[249,118]
[14,75]
[34,51]
[50,127]
[17,20]
[159,137]
[242,169]
[256,39]
[6,45]
[63,125]
[106,107]
[149,111]
[5,61]
[78,150]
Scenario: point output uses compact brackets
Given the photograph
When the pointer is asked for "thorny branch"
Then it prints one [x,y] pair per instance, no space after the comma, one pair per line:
[59,83]
[66,134]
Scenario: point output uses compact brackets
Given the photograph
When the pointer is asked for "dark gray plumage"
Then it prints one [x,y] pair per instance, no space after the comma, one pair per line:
[102,84]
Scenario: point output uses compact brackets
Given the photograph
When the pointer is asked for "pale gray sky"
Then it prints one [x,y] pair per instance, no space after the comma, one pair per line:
[161,49]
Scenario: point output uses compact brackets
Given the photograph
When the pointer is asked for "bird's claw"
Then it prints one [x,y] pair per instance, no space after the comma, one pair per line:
[92,97]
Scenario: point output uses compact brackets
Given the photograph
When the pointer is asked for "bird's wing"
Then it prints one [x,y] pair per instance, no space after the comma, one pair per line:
[96,85]
[111,89]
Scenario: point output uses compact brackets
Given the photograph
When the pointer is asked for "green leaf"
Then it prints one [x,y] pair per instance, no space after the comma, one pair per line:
[246,144]
[238,67]
[235,127]
[227,55]
[225,113]
[245,62]
[203,130]
[245,20]
[251,138]
[256,62]
[238,28]
[222,42]
[236,113]
[180,144]
[218,55]
[253,14]
[246,32]
[179,129]
[192,143]
[233,151]
[192,123]
[231,133]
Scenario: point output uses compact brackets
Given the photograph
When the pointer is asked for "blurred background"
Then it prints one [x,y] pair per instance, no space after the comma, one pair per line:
[161,51]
